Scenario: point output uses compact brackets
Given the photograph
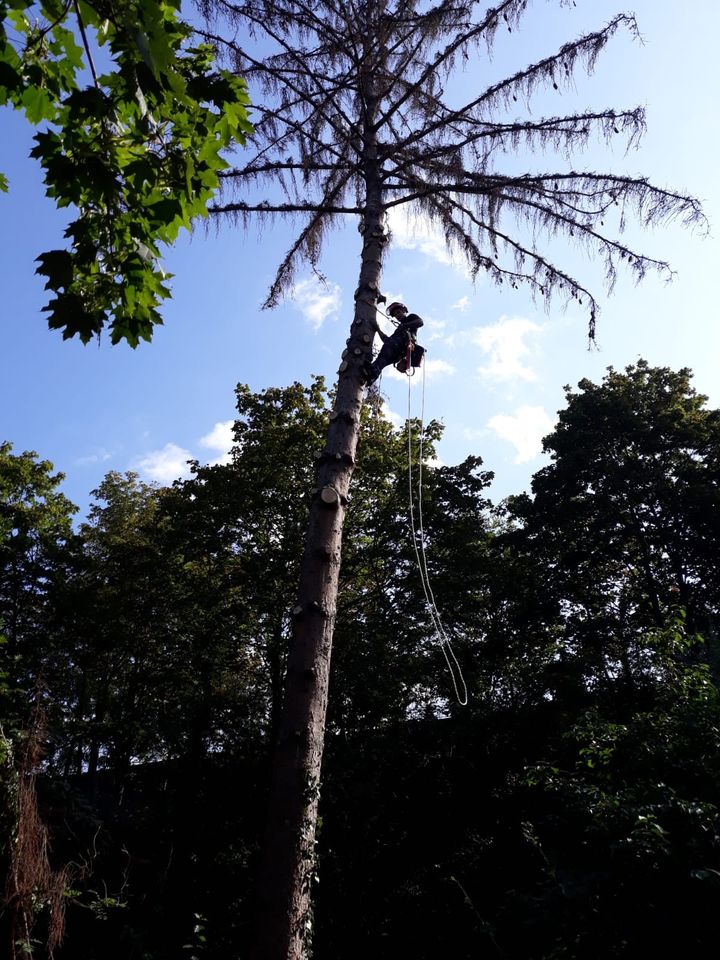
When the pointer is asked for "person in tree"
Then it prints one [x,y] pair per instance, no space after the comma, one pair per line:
[395,345]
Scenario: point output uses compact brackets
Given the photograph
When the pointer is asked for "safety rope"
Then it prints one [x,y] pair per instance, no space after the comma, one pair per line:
[376,306]
[421,556]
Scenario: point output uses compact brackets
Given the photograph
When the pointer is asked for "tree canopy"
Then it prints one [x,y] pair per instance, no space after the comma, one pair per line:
[358,99]
[138,116]
[571,810]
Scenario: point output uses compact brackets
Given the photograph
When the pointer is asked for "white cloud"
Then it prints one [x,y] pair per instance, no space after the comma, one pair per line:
[413,231]
[472,433]
[316,301]
[396,419]
[504,342]
[524,430]
[101,455]
[165,465]
[462,304]
[434,330]
[433,370]
[437,368]
[220,439]
[392,373]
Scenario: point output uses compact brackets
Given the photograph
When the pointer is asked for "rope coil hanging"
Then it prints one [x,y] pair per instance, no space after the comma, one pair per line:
[454,669]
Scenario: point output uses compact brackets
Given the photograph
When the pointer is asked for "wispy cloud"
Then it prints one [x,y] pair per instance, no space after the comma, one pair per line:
[505,344]
[524,430]
[396,419]
[434,330]
[164,465]
[433,370]
[413,231]
[474,433]
[219,439]
[462,304]
[437,368]
[316,301]
[101,455]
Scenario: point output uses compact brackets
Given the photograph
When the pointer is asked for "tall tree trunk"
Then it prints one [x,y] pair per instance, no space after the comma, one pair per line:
[288,857]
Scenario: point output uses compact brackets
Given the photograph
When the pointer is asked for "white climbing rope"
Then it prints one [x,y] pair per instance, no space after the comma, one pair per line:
[421,556]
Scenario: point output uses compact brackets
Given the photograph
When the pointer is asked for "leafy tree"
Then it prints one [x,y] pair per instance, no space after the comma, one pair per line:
[113,613]
[634,468]
[238,528]
[624,814]
[565,812]
[136,150]
[353,119]
[169,629]
[35,526]
[534,830]
[568,812]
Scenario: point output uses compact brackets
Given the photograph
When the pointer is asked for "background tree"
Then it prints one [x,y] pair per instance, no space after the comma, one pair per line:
[35,527]
[583,774]
[353,119]
[239,528]
[114,614]
[635,464]
[570,810]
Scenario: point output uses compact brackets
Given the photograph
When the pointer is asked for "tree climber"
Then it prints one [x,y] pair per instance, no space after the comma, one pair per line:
[397,345]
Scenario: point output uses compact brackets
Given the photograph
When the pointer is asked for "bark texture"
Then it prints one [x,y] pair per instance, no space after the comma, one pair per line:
[288,863]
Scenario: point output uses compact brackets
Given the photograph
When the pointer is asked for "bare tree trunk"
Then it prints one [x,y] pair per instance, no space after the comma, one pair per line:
[288,859]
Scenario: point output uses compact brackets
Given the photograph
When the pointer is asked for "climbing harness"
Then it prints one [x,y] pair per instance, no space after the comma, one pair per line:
[412,359]
[418,535]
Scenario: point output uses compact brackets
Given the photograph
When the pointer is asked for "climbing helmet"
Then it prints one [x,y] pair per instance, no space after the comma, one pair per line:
[396,307]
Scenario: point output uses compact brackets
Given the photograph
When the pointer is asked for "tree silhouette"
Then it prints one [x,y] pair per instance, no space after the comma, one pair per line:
[351,118]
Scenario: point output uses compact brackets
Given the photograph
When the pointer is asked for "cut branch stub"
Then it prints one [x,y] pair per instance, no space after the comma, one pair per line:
[330,496]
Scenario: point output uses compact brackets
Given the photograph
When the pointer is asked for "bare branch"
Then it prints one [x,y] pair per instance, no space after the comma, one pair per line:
[266,207]
[523,82]
[336,75]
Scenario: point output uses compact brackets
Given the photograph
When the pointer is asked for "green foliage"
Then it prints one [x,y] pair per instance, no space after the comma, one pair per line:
[570,811]
[35,528]
[627,814]
[137,152]
[627,518]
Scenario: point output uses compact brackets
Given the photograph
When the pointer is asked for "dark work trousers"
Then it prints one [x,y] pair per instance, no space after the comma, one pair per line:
[394,349]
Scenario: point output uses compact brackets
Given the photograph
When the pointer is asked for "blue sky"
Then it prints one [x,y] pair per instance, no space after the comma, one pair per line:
[496,360]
